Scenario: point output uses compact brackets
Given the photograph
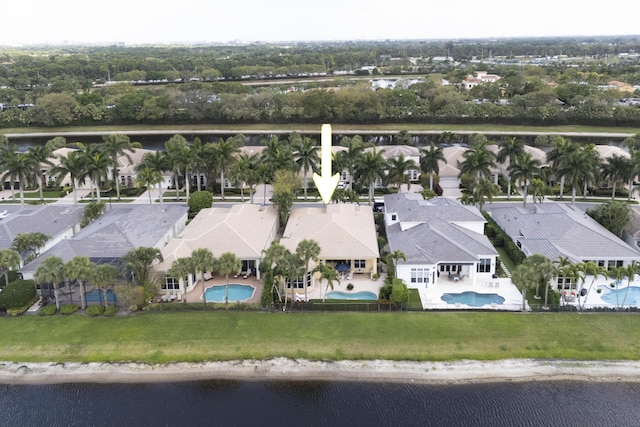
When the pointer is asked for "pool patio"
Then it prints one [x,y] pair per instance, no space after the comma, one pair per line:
[593,299]
[432,296]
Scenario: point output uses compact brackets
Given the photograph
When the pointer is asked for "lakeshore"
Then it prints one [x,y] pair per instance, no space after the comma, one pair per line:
[284,369]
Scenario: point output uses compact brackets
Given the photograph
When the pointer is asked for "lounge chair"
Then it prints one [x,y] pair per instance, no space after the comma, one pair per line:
[246,273]
[299,298]
[208,276]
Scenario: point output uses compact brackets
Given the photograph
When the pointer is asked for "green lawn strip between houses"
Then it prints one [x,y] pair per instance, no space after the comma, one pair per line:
[193,337]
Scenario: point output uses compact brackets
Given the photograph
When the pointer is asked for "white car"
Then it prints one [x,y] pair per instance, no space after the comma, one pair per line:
[342,185]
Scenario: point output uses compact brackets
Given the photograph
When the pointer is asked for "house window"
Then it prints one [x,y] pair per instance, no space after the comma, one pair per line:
[419,275]
[414,175]
[484,266]
[359,263]
[298,283]
[394,217]
[171,284]
[344,176]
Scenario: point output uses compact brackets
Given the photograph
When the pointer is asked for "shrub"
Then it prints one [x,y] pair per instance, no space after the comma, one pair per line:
[95,310]
[198,201]
[68,308]
[110,311]
[18,294]
[48,310]
[350,287]
[92,212]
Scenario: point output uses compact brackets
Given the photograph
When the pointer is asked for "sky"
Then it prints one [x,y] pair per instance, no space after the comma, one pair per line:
[184,21]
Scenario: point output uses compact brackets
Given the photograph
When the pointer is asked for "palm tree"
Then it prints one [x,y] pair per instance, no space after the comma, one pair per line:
[307,250]
[9,260]
[78,270]
[96,166]
[398,168]
[28,245]
[115,146]
[245,169]
[20,167]
[561,150]
[631,270]
[590,268]
[329,274]
[72,165]
[395,257]
[158,163]
[524,277]
[139,261]
[616,169]
[591,166]
[510,150]
[176,152]
[305,153]
[41,154]
[202,260]
[228,263]
[350,158]
[180,269]
[147,178]
[102,276]
[430,161]
[574,168]
[478,161]
[484,188]
[51,271]
[224,154]
[292,269]
[372,166]
[537,261]
[523,169]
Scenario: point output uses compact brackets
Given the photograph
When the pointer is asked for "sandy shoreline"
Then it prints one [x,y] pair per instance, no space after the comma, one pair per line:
[466,371]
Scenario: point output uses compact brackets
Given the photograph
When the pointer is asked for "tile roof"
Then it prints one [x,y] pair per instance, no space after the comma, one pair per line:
[343,231]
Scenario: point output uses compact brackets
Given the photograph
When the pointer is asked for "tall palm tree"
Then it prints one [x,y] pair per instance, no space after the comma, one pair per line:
[72,165]
[372,166]
[96,166]
[561,150]
[139,261]
[510,150]
[224,154]
[305,153]
[202,260]
[329,274]
[616,168]
[245,169]
[398,168]
[350,158]
[395,257]
[42,155]
[9,260]
[483,189]
[270,265]
[430,161]
[180,269]
[631,270]
[158,162]
[307,250]
[478,161]
[20,167]
[591,165]
[523,169]
[176,152]
[51,270]
[592,269]
[633,171]
[147,178]
[292,269]
[574,168]
[115,146]
[228,263]
[79,270]
[102,276]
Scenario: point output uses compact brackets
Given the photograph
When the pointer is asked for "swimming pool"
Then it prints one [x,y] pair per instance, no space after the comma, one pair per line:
[362,295]
[237,293]
[633,296]
[96,295]
[472,299]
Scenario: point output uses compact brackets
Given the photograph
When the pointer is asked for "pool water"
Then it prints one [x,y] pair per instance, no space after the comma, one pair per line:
[633,296]
[237,293]
[472,299]
[96,295]
[362,295]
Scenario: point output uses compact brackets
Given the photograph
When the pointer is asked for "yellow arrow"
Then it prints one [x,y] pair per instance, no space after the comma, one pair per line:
[325,183]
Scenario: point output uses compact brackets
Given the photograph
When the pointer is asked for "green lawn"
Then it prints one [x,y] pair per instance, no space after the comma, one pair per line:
[197,336]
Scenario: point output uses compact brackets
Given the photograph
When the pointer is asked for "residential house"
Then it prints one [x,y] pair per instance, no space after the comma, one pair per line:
[245,230]
[442,240]
[346,234]
[120,229]
[59,222]
[562,230]
[480,77]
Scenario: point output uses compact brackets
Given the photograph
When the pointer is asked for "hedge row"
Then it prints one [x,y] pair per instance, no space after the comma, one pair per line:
[500,239]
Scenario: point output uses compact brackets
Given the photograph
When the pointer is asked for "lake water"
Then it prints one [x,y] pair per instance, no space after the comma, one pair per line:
[258,403]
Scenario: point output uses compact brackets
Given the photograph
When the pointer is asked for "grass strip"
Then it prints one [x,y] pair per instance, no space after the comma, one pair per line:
[222,335]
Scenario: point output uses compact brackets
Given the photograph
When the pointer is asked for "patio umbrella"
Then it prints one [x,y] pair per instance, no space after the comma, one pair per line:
[342,267]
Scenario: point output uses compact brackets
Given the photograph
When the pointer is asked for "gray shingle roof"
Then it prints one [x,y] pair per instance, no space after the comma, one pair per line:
[438,237]
[52,220]
[554,229]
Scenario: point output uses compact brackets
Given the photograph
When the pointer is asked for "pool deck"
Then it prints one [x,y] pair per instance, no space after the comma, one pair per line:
[594,299]
[432,295]
[195,295]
